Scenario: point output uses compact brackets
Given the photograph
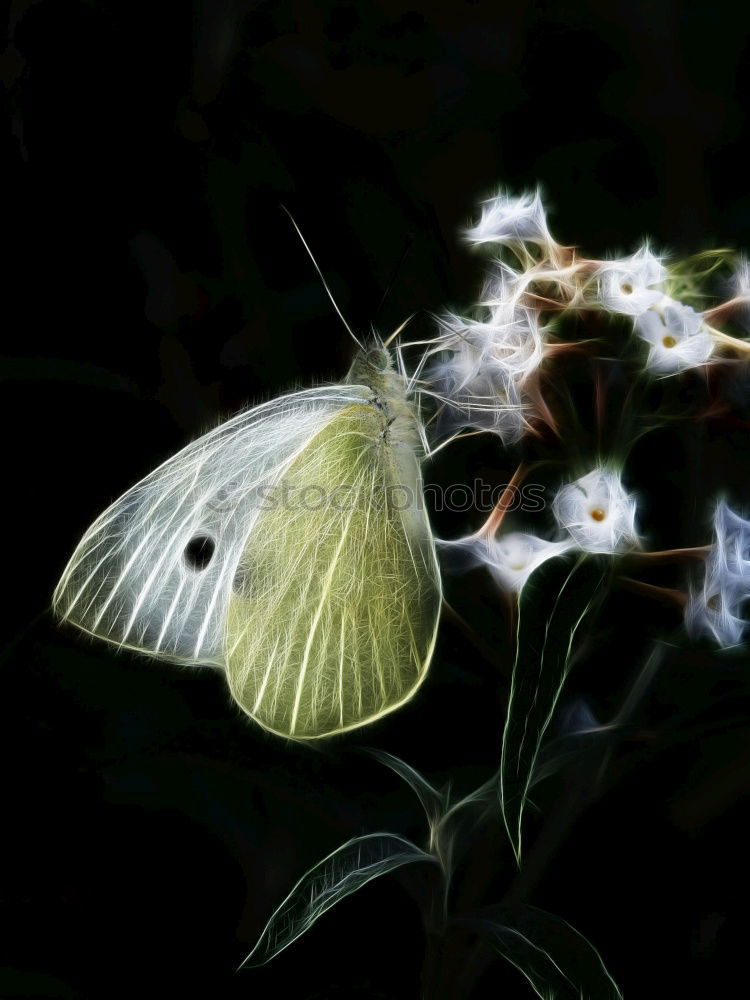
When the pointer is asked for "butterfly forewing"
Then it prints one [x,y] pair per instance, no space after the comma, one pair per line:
[155,570]
[336,599]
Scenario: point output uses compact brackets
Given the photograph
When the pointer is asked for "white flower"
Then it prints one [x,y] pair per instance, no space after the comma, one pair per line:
[511,221]
[482,381]
[677,336]
[510,558]
[715,609]
[478,390]
[597,512]
[510,338]
[626,286]
[741,278]
[741,290]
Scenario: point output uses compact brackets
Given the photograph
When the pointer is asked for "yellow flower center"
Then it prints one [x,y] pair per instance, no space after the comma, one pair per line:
[668,341]
[598,514]
[626,288]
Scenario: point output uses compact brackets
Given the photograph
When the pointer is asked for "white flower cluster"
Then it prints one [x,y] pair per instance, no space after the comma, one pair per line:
[595,513]
[676,334]
[487,372]
[715,609]
[487,380]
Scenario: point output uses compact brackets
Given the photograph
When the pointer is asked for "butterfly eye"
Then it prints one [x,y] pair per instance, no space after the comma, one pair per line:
[378,358]
[199,552]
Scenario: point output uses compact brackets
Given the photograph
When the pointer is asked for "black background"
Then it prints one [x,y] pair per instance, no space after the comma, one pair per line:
[153,284]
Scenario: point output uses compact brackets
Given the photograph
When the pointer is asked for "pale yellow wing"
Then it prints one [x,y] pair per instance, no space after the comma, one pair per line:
[334,611]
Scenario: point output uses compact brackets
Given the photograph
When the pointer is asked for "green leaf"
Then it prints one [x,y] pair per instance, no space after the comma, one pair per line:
[552,608]
[337,876]
[433,801]
[554,957]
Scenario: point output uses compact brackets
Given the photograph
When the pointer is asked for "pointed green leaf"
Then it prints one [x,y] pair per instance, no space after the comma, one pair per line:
[555,958]
[552,607]
[337,876]
[433,801]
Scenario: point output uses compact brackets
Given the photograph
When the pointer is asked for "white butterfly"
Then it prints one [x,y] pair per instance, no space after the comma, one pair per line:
[289,546]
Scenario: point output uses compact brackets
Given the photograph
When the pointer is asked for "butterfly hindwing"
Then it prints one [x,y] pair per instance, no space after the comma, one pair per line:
[336,600]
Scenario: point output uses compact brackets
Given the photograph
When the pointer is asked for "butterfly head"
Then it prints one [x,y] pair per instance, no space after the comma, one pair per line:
[372,366]
[378,359]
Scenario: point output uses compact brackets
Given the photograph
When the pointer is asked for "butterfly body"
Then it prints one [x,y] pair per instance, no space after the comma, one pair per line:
[288,546]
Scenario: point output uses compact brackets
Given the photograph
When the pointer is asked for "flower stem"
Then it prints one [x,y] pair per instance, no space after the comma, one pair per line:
[493,522]
[666,594]
[671,555]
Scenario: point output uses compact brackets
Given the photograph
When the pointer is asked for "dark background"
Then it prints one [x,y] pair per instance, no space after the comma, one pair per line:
[153,284]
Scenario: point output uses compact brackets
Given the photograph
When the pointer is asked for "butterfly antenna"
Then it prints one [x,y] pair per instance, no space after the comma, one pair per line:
[398,330]
[396,269]
[325,284]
